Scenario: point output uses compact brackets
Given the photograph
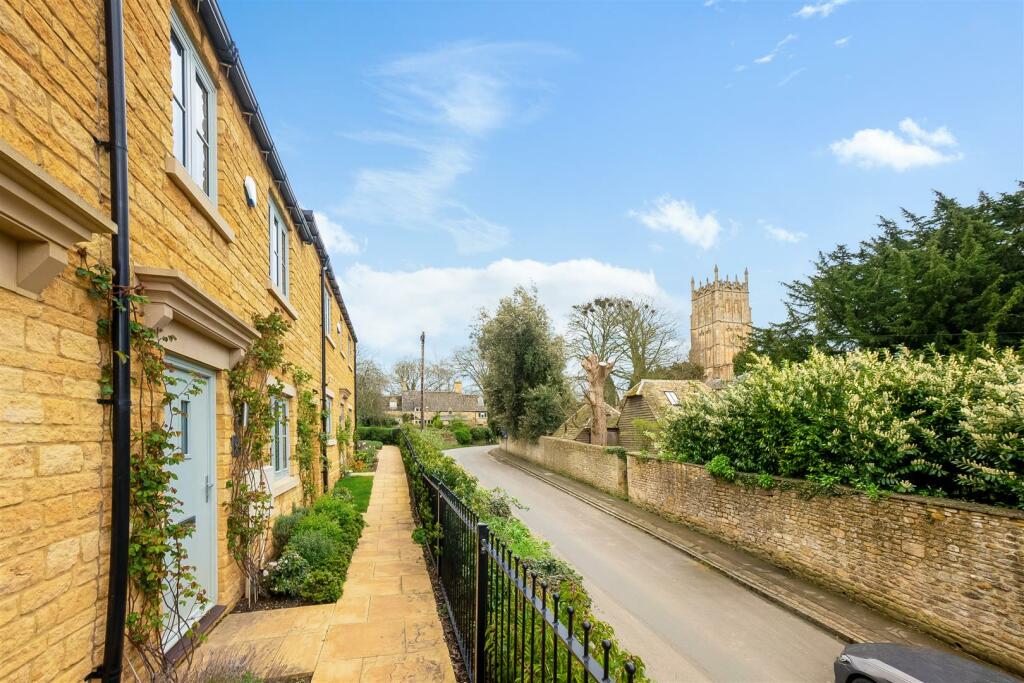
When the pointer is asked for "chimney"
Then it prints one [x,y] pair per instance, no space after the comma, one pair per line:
[458,386]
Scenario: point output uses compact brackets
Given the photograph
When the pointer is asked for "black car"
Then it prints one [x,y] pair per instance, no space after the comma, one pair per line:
[892,663]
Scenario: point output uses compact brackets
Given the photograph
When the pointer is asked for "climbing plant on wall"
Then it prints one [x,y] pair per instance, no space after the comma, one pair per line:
[344,442]
[255,404]
[163,591]
[308,434]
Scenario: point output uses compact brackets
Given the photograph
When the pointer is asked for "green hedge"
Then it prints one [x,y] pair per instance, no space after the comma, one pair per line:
[900,422]
[494,507]
[385,435]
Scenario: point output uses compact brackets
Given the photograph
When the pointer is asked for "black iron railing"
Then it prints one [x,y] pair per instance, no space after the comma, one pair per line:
[507,624]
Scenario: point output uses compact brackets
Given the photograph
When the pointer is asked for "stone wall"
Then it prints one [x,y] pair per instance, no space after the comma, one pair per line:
[954,569]
[583,461]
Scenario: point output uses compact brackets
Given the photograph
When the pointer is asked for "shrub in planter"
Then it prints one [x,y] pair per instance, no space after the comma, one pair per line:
[284,525]
[321,585]
[463,436]
[287,575]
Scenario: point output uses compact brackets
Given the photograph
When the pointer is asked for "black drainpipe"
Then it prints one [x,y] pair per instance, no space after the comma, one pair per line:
[120,487]
[324,467]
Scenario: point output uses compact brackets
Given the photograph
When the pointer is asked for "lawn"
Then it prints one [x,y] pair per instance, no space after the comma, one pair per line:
[359,487]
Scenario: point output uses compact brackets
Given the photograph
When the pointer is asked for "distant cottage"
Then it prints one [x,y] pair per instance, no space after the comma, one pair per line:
[448,405]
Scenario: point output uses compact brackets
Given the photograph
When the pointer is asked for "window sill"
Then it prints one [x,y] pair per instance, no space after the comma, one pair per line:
[332,442]
[283,301]
[197,197]
[280,483]
[331,341]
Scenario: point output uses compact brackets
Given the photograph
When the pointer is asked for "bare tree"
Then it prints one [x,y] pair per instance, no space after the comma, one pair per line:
[469,364]
[370,403]
[440,376]
[597,372]
[405,375]
[646,338]
[630,333]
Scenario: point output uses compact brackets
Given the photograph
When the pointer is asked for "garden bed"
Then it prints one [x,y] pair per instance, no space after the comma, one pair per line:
[316,546]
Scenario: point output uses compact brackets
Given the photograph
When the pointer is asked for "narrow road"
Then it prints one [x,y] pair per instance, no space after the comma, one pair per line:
[687,622]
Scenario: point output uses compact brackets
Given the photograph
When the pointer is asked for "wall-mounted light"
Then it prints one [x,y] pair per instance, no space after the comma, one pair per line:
[250,191]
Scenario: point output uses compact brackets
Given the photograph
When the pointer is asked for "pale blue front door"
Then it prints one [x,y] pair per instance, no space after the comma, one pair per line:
[193,418]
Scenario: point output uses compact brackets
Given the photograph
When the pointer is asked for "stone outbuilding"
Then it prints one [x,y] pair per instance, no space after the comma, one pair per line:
[651,400]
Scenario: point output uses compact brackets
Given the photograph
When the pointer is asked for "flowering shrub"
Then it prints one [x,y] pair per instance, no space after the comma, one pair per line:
[287,574]
[903,422]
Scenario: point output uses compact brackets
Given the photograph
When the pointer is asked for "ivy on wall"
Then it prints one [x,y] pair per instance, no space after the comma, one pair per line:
[163,589]
[255,403]
[308,434]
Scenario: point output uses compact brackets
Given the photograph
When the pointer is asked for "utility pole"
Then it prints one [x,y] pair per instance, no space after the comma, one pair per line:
[423,355]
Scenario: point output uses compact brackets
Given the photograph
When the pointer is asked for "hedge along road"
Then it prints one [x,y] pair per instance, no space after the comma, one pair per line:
[688,622]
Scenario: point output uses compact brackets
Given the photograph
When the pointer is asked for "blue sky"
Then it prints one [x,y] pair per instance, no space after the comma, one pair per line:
[454,150]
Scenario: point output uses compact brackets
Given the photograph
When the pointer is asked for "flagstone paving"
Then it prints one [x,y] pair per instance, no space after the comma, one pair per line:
[385,627]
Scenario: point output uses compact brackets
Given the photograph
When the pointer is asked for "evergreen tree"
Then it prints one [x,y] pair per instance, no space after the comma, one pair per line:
[952,280]
[523,384]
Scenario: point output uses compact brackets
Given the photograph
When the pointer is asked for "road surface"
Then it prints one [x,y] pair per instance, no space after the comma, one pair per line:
[688,622]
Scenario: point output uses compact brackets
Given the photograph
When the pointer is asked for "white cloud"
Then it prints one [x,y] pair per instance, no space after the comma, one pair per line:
[781,234]
[739,67]
[822,9]
[389,308]
[336,239]
[940,137]
[775,51]
[875,148]
[843,41]
[792,74]
[447,100]
[682,218]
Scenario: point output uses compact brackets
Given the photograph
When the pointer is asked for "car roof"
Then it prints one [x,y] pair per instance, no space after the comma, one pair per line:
[927,664]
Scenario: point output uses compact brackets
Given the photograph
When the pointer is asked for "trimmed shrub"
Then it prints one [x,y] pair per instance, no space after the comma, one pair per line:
[482,434]
[463,436]
[287,574]
[321,585]
[284,525]
[320,547]
[343,515]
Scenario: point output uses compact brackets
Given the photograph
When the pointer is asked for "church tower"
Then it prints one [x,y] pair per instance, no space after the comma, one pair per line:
[719,323]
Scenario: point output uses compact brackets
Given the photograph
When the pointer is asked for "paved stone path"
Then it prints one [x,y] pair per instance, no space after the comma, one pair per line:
[385,627]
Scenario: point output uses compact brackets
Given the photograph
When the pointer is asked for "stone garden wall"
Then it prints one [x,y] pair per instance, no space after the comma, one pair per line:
[583,461]
[953,569]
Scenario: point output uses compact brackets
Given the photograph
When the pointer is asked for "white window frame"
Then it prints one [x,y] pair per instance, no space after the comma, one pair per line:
[193,70]
[672,398]
[280,242]
[328,409]
[327,312]
[280,455]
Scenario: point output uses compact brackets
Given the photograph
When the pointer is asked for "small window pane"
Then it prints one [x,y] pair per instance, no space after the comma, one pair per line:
[201,133]
[178,97]
[184,427]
